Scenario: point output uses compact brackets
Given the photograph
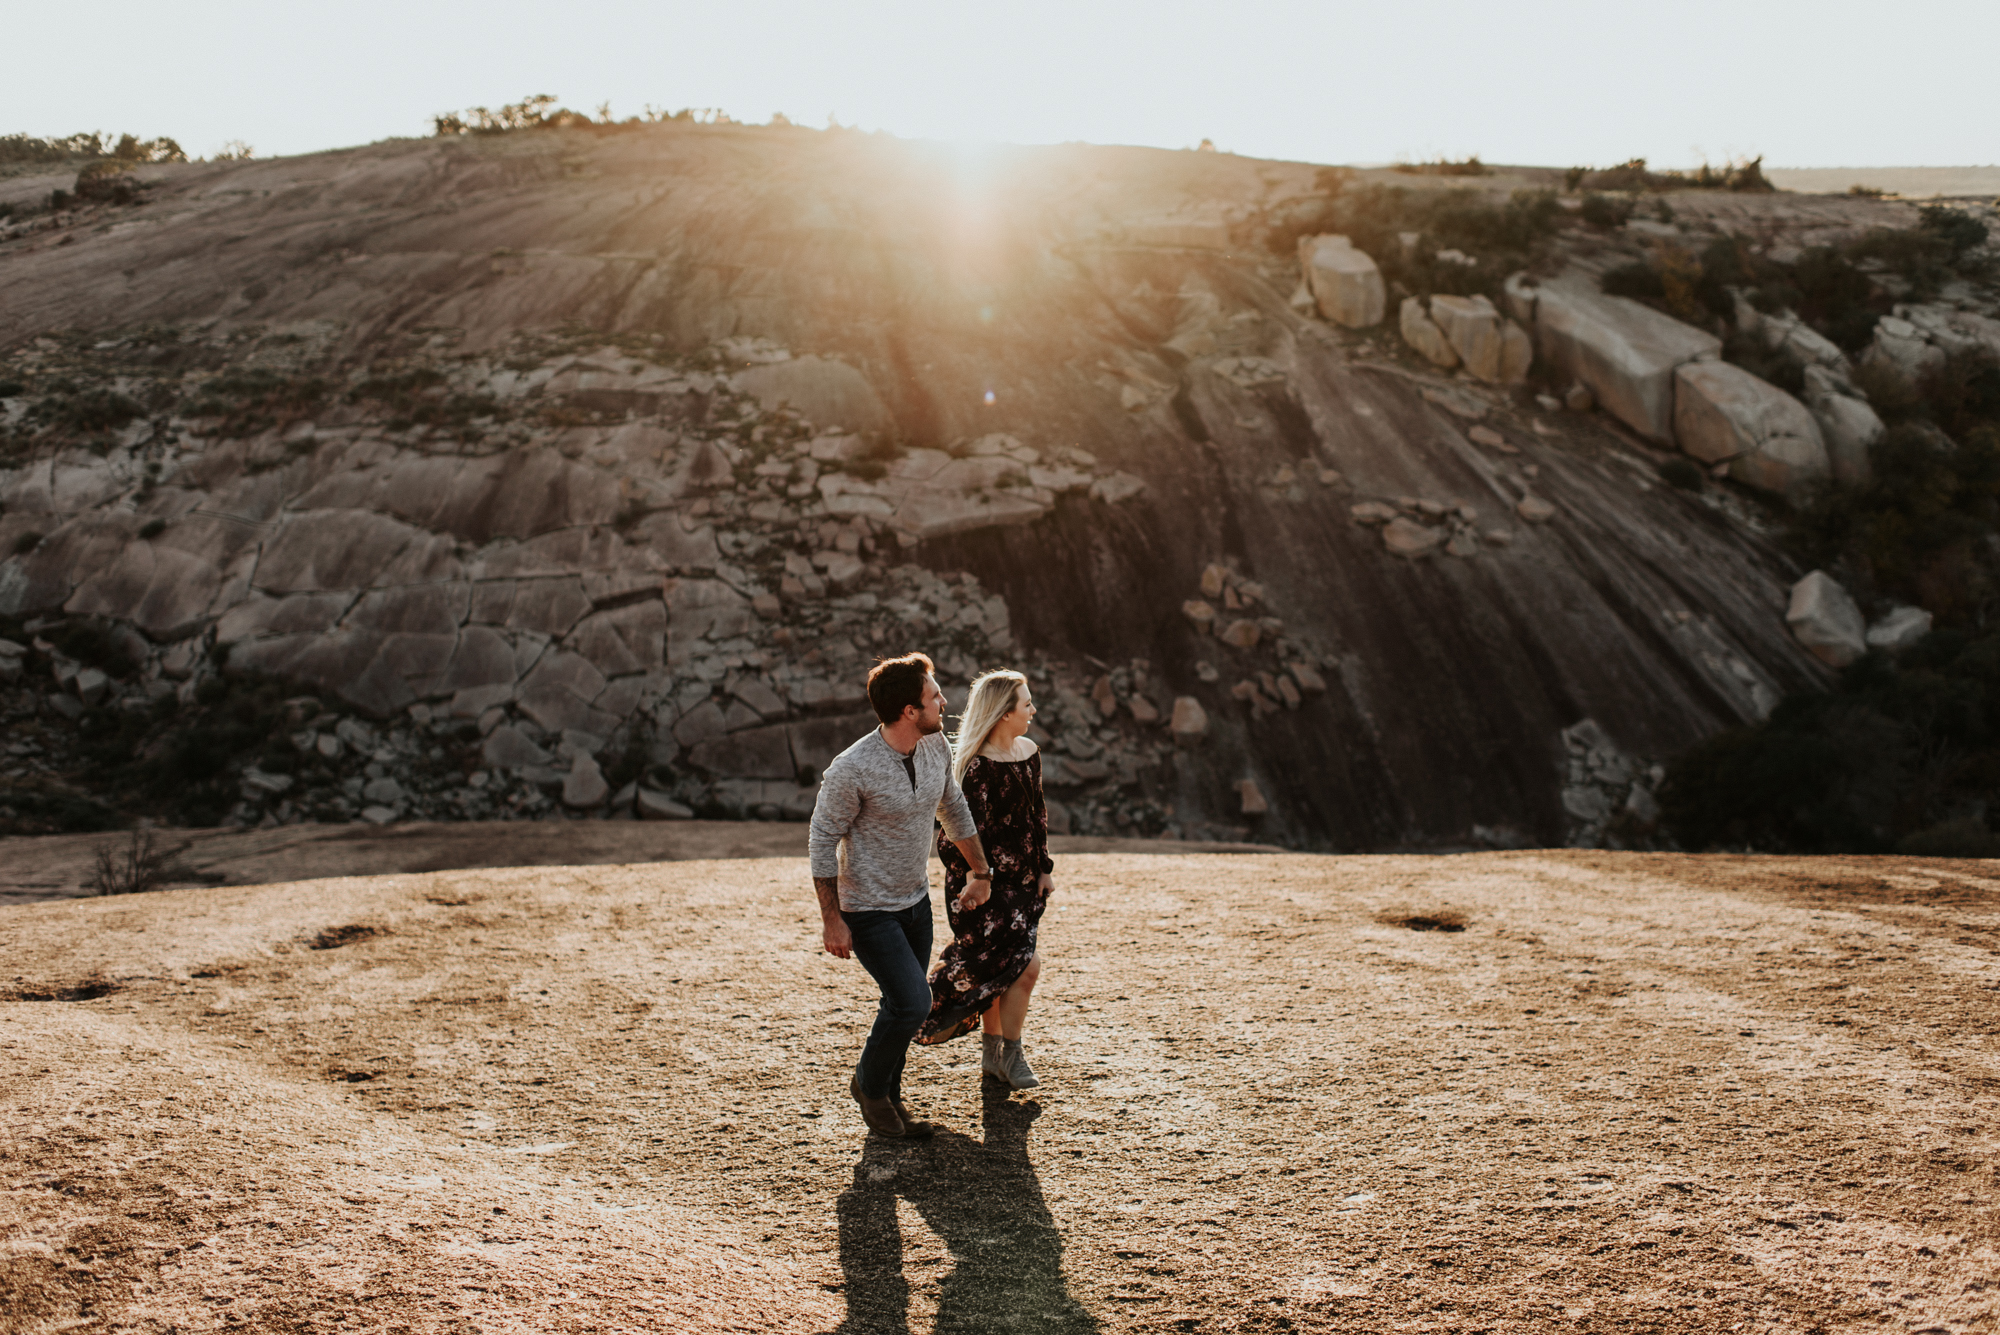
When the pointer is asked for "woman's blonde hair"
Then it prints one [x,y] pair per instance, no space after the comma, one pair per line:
[993,696]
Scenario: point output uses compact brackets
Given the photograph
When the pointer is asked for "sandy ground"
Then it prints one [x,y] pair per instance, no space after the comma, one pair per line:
[1633,1092]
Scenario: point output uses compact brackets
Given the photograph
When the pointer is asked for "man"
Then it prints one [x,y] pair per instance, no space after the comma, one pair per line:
[871,844]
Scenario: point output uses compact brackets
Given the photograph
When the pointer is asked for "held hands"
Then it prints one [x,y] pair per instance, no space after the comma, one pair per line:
[977,891]
[1048,885]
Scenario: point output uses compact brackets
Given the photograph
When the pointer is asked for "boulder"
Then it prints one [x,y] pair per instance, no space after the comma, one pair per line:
[828,392]
[1903,627]
[1825,620]
[163,591]
[1473,327]
[1846,423]
[1344,281]
[1250,798]
[584,787]
[1723,414]
[703,608]
[815,742]
[1786,332]
[658,806]
[91,686]
[351,549]
[1517,353]
[1952,329]
[1372,512]
[559,691]
[1200,613]
[1189,721]
[418,609]
[1406,537]
[1422,334]
[507,747]
[1902,347]
[1535,510]
[1624,353]
[483,660]
[753,753]
[384,791]
[624,639]
[1242,634]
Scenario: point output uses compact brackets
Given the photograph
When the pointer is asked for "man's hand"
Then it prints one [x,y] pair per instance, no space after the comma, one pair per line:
[833,932]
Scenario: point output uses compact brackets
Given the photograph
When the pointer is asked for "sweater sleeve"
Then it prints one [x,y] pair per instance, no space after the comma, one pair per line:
[833,816]
[953,812]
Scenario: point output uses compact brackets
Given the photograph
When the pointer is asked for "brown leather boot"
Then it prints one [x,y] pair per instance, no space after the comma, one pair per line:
[914,1127]
[880,1114]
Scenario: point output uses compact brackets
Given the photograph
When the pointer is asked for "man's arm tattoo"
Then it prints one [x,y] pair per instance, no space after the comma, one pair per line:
[828,890]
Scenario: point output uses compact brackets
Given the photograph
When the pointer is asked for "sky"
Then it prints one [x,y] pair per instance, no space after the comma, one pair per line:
[1543,82]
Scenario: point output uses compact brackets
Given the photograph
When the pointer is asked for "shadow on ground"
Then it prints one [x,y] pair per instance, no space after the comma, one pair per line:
[984,1202]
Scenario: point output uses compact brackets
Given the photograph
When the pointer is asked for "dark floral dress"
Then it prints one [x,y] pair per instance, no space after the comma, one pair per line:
[992,944]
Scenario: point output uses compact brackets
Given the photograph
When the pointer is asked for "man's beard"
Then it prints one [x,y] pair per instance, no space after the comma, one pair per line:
[927,726]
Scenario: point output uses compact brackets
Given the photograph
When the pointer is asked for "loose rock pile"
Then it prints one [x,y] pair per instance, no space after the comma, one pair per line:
[596,580]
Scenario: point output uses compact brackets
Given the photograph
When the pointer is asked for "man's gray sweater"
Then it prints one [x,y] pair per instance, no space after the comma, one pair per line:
[871,827]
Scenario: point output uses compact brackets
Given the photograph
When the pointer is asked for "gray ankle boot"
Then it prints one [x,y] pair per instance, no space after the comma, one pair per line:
[993,1058]
[1019,1074]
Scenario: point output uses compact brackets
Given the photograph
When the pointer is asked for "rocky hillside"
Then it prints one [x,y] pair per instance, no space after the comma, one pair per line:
[582,472]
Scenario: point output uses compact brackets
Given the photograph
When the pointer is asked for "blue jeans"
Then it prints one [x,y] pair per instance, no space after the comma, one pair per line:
[895,948]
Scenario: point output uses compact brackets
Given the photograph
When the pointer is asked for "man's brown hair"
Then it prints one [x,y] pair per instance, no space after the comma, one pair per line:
[896,684]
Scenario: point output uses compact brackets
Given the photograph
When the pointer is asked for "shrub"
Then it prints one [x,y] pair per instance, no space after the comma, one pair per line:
[1471,166]
[127,148]
[1899,748]
[141,866]
[87,410]
[1633,176]
[1637,279]
[1776,365]
[95,644]
[254,399]
[1962,392]
[420,396]
[1606,210]
[535,112]
[1499,237]
[1890,393]
[1686,285]
[1831,294]
[1919,530]
[1957,231]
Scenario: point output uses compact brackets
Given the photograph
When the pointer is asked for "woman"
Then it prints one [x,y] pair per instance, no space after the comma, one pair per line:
[986,974]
